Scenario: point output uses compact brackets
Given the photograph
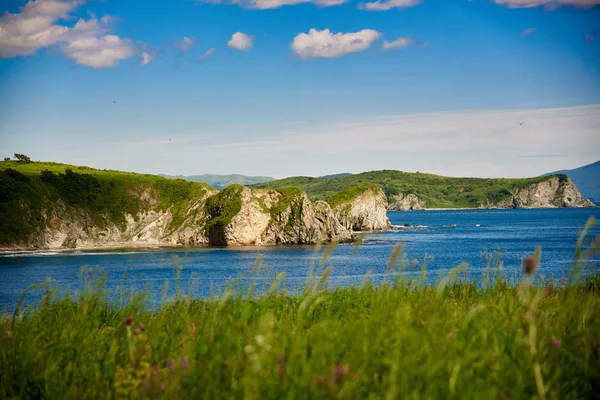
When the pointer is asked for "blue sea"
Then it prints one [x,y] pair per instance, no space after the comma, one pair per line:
[441,239]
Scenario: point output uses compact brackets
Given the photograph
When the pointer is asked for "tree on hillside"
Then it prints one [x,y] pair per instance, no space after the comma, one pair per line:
[6,158]
[22,158]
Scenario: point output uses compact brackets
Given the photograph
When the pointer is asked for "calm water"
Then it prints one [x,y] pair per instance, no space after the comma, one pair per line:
[450,237]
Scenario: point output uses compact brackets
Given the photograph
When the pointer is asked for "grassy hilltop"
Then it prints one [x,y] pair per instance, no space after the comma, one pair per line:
[437,191]
[27,190]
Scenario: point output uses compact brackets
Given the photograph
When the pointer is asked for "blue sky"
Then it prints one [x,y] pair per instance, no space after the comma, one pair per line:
[263,87]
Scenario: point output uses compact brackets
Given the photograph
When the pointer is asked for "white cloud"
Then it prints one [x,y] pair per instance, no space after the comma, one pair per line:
[527,32]
[325,44]
[22,34]
[384,5]
[206,55]
[146,58]
[270,4]
[103,52]
[550,4]
[35,27]
[185,44]
[399,43]
[460,143]
[240,41]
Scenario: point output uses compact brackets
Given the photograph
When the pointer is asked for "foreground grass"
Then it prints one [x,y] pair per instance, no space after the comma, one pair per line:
[393,341]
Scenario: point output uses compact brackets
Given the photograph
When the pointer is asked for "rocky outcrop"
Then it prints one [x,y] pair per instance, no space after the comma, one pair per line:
[73,228]
[236,216]
[408,202]
[557,191]
[365,212]
[268,217]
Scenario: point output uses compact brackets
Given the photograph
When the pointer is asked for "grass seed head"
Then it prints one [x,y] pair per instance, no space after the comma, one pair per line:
[531,264]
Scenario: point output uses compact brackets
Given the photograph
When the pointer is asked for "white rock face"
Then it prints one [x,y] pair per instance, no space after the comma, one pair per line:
[551,193]
[366,212]
[260,223]
[72,228]
[409,202]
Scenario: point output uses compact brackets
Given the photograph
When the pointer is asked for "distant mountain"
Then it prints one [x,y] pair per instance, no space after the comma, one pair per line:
[587,180]
[222,181]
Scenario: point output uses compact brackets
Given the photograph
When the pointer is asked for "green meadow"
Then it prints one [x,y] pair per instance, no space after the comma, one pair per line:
[407,338]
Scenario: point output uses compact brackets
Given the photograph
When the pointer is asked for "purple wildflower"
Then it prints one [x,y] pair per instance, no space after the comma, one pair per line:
[340,371]
[137,331]
[170,364]
[555,343]
[129,320]
[184,363]
[7,335]
[142,327]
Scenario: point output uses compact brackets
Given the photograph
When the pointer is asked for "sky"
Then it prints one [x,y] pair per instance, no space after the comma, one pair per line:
[486,88]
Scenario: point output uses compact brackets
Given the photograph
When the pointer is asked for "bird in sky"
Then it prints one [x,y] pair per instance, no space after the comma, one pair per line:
[521,123]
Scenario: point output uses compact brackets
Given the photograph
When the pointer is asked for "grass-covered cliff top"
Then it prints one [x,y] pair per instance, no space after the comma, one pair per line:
[28,189]
[437,191]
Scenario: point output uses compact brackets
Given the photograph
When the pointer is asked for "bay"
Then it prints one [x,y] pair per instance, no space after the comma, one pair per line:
[443,239]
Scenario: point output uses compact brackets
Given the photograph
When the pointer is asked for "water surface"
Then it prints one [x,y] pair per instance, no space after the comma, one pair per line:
[445,238]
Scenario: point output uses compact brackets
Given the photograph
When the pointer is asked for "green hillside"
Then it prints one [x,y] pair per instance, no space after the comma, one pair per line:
[28,190]
[437,191]
[222,181]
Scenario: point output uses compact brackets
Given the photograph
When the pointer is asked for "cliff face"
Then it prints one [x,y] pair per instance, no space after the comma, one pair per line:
[408,202]
[366,212]
[268,217]
[72,228]
[236,216]
[551,193]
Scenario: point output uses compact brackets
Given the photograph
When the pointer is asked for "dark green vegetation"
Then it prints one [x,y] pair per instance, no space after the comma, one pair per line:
[587,180]
[436,191]
[222,181]
[221,208]
[31,192]
[403,339]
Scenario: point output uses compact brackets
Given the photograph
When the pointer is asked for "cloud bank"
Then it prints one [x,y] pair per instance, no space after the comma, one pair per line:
[86,43]
[270,4]
[549,4]
[325,44]
[384,5]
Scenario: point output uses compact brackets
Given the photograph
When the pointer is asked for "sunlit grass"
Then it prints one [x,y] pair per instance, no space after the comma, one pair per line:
[403,339]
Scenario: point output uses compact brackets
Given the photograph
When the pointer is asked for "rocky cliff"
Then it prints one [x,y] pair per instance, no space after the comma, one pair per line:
[68,227]
[554,192]
[245,216]
[557,191]
[408,202]
[202,215]
[365,211]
